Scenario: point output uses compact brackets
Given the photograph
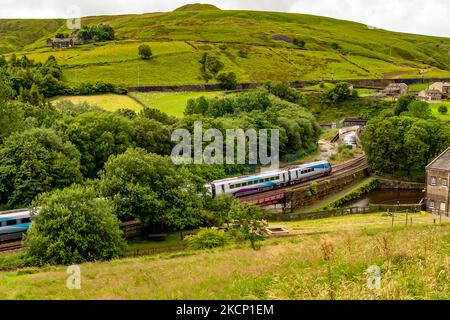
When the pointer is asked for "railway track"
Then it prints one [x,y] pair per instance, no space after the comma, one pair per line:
[10,246]
[339,170]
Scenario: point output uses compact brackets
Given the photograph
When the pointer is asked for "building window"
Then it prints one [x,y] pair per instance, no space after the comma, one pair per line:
[433,181]
[431,204]
[445,182]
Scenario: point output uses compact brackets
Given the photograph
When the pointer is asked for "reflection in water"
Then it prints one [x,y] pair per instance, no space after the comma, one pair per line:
[388,197]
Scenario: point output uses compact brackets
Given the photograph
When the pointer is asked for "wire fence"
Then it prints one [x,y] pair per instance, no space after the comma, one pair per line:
[344,212]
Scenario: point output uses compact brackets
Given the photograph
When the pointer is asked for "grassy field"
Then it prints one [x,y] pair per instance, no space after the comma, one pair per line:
[109,102]
[178,39]
[434,108]
[327,259]
[172,103]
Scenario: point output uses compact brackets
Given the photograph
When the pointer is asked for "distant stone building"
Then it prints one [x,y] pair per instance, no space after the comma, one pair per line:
[60,43]
[430,95]
[442,87]
[396,89]
[438,191]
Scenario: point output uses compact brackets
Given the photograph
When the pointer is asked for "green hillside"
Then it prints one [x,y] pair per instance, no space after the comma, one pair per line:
[15,34]
[334,49]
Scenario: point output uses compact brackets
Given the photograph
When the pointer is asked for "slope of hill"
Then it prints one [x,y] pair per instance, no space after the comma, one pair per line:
[334,48]
[197,7]
[15,34]
[413,262]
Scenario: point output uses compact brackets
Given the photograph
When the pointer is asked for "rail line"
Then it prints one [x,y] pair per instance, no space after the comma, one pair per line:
[10,246]
[275,196]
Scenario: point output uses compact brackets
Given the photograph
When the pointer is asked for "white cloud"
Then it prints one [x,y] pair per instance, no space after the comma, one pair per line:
[414,16]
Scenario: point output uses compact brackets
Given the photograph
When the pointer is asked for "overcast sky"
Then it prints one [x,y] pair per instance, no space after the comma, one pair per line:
[414,16]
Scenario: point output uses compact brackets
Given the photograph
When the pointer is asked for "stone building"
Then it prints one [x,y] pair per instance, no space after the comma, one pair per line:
[430,95]
[438,191]
[59,43]
[396,89]
[442,87]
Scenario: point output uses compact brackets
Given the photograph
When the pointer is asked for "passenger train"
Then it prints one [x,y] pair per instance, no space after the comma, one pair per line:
[14,224]
[243,186]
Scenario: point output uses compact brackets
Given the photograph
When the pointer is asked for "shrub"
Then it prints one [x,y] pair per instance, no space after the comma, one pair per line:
[340,93]
[145,52]
[73,226]
[243,53]
[443,109]
[228,80]
[313,188]
[299,43]
[283,91]
[207,239]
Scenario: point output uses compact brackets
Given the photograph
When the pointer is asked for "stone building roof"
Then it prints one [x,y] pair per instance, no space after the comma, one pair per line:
[442,162]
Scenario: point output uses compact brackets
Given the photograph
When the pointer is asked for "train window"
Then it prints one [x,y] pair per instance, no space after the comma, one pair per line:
[11,222]
[26,220]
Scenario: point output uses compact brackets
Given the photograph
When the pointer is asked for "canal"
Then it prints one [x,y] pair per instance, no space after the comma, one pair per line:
[388,197]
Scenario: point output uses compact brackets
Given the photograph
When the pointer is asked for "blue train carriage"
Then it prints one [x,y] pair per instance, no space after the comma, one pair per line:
[247,185]
[14,224]
[242,186]
[309,171]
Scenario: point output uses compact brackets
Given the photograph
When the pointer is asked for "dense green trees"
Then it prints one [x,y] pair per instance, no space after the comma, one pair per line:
[405,139]
[35,161]
[403,145]
[97,33]
[152,189]
[98,136]
[72,226]
[299,131]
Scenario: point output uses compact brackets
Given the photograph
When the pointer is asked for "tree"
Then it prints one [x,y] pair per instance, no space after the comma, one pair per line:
[3,62]
[72,226]
[152,189]
[227,80]
[152,136]
[98,32]
[145,52]
[335,46]
[213,64]
[403,145]
[299,43]
[52,87]
[403,103]
[340,93]
[35,161]
[98,136]
[251,222]
[443,109]
[35,97]
[283,91]
[159,116]
[12,119]
[419,109]
[6,91]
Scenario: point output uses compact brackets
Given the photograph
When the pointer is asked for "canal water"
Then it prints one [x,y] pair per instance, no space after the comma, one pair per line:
[388,197]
